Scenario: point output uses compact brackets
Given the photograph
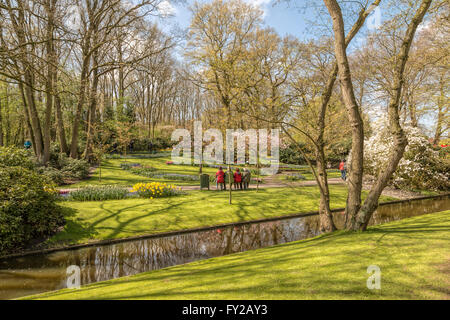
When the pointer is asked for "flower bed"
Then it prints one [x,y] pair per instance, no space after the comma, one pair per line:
[156,190]
[98,193]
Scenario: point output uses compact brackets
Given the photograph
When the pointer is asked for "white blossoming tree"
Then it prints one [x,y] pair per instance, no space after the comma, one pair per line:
[421,166]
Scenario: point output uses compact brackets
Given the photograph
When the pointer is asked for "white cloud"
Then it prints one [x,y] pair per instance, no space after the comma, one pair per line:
[261,4]
[165,8]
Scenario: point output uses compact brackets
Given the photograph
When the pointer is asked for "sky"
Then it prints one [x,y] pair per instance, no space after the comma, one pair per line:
[282,16]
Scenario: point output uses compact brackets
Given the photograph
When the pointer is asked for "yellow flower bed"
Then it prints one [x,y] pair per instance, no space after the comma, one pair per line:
[155,190]
[50,188]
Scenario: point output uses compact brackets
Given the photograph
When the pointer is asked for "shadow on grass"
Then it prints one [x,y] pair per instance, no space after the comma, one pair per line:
[328,266]
[74,229]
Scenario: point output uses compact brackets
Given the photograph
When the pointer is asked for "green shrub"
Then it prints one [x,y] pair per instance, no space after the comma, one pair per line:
[74,168]
[98,193]
[295,177]
[28,209]
[62,168]
[12,156]
[53,174]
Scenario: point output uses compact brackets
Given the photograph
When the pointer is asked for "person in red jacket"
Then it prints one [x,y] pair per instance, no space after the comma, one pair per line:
[237,180]
[220,179]
[342,168]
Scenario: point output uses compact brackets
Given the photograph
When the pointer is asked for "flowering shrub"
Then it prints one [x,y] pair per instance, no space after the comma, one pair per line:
[421,166]
[155,190]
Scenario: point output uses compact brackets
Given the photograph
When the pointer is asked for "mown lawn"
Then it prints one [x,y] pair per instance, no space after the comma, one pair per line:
[413,255]
[111,173]
[98,220]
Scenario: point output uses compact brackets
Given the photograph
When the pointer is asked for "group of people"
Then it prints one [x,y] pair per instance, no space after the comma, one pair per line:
[241,181]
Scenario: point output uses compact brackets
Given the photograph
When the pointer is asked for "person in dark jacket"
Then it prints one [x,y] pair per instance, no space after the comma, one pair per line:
[246,176]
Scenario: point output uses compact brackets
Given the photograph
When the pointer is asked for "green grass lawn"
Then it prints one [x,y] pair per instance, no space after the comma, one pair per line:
[331,173]
[413,255]
[113,174]
[99,220]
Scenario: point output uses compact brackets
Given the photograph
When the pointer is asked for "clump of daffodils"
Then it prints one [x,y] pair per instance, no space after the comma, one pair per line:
[50,188]
[155,190]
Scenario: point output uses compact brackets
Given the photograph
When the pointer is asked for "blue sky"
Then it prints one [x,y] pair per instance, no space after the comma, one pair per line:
[286,17]
[282,16]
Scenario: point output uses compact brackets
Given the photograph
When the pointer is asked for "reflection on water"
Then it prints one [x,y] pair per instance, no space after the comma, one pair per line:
[39,273]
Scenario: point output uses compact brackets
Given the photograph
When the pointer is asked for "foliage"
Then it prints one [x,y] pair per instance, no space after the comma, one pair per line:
[75,168]
[12,156]
[62,168]
[290,155]
[28,208]
[421,166]
[152,144]
[155,190]
[98,193]
[53,174]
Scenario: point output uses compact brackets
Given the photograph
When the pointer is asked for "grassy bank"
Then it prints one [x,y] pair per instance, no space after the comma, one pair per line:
[413,255]
[99,220]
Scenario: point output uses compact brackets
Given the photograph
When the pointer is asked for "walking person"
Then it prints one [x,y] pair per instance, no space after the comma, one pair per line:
[246,176]
[237,180]
[342,168]
[27,144]
[220,179]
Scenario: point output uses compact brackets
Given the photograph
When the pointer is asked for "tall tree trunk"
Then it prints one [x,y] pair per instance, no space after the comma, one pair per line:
[326,217]
[362,218]
[356,165]
[7,136]
[80,104]
[60,125]
[34,117]
[49,83]
[1,125]
[27,116]
[442,110]
[92,109]
[18,23]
